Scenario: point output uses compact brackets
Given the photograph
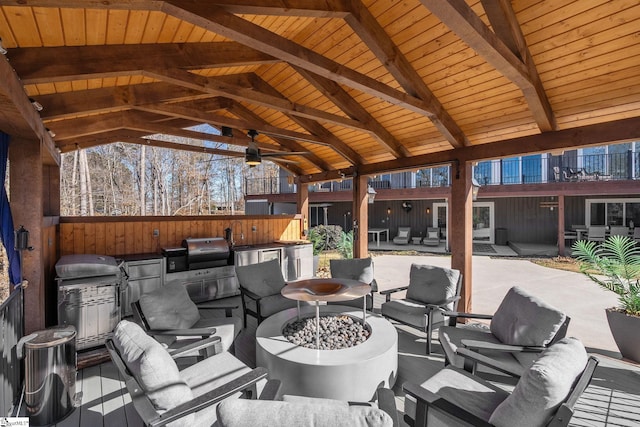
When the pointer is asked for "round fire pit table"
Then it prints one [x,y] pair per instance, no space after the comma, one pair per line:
[328,290]
[352,374]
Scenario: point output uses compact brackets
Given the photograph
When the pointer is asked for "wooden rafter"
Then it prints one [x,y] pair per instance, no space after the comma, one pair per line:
[369,30]
[241,111]
[458,16]
[350,106]
[245,32]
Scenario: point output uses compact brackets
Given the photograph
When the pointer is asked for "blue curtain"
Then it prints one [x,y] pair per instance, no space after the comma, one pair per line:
[6,220]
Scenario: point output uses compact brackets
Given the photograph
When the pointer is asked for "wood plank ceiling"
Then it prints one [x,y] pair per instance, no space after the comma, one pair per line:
[364,86]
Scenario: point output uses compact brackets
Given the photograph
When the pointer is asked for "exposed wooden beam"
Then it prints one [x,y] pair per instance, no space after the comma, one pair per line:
[102,100]
[623,130]
[245,32]
[241,111]
[506,26]
[309,8]
[177,110]
[461,19]
[18,117]
[370,31]
[346,103]
[54,64]
[221,87]
[312,126]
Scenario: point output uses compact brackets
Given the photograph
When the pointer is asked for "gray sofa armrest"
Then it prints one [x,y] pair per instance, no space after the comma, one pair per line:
[472,358]
[195,332]
[195,346]
[227,306]
[454,315]
[483,345]
[270,390]
[388,292]
[240,384]
[439,304]
[426,399]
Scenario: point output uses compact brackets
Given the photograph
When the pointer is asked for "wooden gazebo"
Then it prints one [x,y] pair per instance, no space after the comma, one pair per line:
[362,87]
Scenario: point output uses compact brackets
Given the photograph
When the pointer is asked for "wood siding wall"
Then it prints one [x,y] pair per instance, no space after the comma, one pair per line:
[123,236]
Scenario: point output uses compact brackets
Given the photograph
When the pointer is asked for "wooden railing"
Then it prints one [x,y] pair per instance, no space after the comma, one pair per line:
[132,235]
[11,330]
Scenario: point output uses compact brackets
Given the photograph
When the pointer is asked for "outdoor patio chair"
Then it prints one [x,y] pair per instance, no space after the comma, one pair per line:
[360,269]
[521,328]
[596,233]
[545,394]
[309,411]
[619,230]
[172,318]
[431,291]
[161,394]
[403,237]
[432,238]
[260,286]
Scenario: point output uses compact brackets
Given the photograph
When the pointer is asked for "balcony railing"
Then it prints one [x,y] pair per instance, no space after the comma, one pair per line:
[11,330]
[537,169]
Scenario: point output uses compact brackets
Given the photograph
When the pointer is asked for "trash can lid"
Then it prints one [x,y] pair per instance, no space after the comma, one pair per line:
[51,337]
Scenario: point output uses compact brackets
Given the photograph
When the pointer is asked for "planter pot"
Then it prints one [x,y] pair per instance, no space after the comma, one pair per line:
[624,329]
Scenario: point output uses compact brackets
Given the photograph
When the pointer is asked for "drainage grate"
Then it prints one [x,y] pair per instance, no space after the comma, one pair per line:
[483,248]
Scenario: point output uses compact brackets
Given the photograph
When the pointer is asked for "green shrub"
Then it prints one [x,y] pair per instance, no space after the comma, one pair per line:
[327,237]
[345,245]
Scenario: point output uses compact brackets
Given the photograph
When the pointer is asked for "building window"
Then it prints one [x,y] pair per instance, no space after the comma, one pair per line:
[613,212]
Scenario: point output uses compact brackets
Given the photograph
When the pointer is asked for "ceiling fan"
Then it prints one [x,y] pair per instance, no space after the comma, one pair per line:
[253,156]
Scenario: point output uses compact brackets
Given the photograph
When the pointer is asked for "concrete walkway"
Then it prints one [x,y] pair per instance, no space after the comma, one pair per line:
[570,292]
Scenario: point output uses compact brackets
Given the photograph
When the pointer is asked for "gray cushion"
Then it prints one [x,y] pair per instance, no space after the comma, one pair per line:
[275,304]
[432,284]
[354,269]
[263,279]
[409,312]
[463,389]
[169,307]
[451,337]
[523,319]
[151,365]
[269,413]
[544,386]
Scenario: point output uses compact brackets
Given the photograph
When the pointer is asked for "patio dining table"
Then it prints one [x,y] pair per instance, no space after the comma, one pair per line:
[376,234]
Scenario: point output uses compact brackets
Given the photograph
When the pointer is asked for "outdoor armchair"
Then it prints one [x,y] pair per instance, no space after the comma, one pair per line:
[432,238]
[260,286]
[619,230]
[360,269]
[169,315]
[545,394]
[520,329]
[309,411]
[161,394]
[431,292]
[403,237]
[596,233]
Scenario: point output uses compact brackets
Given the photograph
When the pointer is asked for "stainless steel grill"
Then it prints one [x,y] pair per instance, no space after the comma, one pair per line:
[206,252]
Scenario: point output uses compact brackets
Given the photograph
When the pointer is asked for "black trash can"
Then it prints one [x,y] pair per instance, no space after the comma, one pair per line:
[50,374]
[501,236]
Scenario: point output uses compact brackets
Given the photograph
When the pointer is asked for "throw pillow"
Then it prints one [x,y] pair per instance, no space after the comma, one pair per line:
[433,234]
[523,319]
[543,388]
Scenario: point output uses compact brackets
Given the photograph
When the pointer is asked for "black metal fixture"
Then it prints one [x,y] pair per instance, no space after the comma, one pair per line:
[253,156]
[226,131]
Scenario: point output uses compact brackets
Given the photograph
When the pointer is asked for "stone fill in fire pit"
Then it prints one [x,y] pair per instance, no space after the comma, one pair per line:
[336,332]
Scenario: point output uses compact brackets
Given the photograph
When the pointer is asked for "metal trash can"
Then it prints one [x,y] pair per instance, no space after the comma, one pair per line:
[50,374]
[501,236]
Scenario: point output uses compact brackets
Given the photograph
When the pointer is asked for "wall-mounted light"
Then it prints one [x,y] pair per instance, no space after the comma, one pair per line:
[371,193]
[388,211]
[35,104]
[428,211]
[3,51]
[475,187]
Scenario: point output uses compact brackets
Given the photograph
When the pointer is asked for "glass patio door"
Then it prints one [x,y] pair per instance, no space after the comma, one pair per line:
[483,220]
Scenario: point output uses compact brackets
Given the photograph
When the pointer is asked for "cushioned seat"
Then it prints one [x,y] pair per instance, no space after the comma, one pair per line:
[360,269]
[260,286]
[431,291]
[522,326]
[403,237]
[158,389]
[306,411]
[544,395]
[169,308]
[432,238]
